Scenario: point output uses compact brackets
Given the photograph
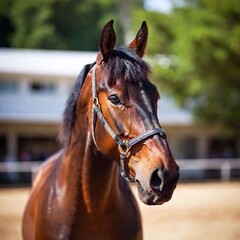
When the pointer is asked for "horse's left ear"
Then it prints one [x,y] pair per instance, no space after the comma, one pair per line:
[108,40]
[140,41]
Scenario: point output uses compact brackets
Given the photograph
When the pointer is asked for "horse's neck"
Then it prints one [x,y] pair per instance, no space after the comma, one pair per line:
[92,180]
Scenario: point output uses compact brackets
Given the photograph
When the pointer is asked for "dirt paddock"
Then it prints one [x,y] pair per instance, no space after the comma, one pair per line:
[205,211]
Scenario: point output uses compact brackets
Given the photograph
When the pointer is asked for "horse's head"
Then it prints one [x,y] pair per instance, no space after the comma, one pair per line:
[124,119]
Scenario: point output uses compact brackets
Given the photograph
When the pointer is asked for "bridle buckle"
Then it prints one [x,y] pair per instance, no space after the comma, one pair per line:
[124,146]
[96,102]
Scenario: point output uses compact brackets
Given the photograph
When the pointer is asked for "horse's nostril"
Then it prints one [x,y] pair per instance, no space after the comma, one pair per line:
[157,180]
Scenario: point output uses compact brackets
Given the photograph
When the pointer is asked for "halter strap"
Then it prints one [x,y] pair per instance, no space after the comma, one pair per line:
[124,146]
[97,109]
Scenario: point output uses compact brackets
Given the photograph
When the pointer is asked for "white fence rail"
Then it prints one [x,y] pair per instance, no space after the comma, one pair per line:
[19,166]
[223,165]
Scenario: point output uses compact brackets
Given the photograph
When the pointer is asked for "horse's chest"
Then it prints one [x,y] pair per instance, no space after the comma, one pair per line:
[117,223]
[108,229]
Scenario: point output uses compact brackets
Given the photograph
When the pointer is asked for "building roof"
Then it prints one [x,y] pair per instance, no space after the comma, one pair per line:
[49,107]
[44,62]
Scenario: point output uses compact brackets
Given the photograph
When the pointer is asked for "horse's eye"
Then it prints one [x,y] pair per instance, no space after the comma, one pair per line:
[114,99]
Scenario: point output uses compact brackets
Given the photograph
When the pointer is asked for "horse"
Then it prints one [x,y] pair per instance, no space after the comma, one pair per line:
[111,135]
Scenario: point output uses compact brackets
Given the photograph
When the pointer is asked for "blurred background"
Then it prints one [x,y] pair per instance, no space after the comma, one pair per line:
[194,52]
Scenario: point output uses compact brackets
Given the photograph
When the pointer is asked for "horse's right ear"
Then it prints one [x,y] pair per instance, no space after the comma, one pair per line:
[108,40]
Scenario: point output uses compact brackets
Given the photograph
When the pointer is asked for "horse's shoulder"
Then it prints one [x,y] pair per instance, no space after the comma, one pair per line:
[46,168]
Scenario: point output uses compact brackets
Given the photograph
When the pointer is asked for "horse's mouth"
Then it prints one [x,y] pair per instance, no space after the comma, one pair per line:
[154,197]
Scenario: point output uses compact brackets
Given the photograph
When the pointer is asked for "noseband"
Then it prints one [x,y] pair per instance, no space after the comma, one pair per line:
[124,146]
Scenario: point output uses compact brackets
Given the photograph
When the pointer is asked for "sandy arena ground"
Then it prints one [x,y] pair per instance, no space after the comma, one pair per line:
[206,211]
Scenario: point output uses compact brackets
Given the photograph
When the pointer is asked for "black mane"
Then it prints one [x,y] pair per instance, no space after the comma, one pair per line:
[123,63]
[70,109]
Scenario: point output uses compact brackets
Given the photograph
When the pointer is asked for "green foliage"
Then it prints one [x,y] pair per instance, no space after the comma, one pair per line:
[66,24]
[59,24]
[160,33]
[6,27]
[201,41]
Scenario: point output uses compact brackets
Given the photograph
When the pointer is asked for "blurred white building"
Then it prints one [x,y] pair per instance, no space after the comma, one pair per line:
[34,86]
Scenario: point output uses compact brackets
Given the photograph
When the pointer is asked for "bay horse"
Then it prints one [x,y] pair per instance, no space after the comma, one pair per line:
[110,134]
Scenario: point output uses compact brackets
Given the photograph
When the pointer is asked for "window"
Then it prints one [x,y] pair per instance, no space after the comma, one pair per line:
[8,87]
[37,87]
[3,147]
[222,148]
[189,147]
[184,147]
[36,148]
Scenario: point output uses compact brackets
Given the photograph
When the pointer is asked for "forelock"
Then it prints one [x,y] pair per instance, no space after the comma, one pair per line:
[125,64]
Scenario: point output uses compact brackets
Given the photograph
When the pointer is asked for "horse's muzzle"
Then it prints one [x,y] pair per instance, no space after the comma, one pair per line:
[161,187]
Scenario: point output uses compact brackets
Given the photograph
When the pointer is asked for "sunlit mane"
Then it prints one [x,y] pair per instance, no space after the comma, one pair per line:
[125,63]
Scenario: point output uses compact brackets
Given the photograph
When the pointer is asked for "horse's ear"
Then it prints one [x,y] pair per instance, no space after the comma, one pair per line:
[108,40]
[140,41]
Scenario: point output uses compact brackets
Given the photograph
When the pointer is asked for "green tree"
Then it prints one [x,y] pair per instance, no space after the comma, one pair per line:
[61,24]
[200,41]
[66,24]
[6,26]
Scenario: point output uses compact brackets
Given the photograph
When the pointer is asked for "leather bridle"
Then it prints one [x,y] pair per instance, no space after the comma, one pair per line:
[124,146]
